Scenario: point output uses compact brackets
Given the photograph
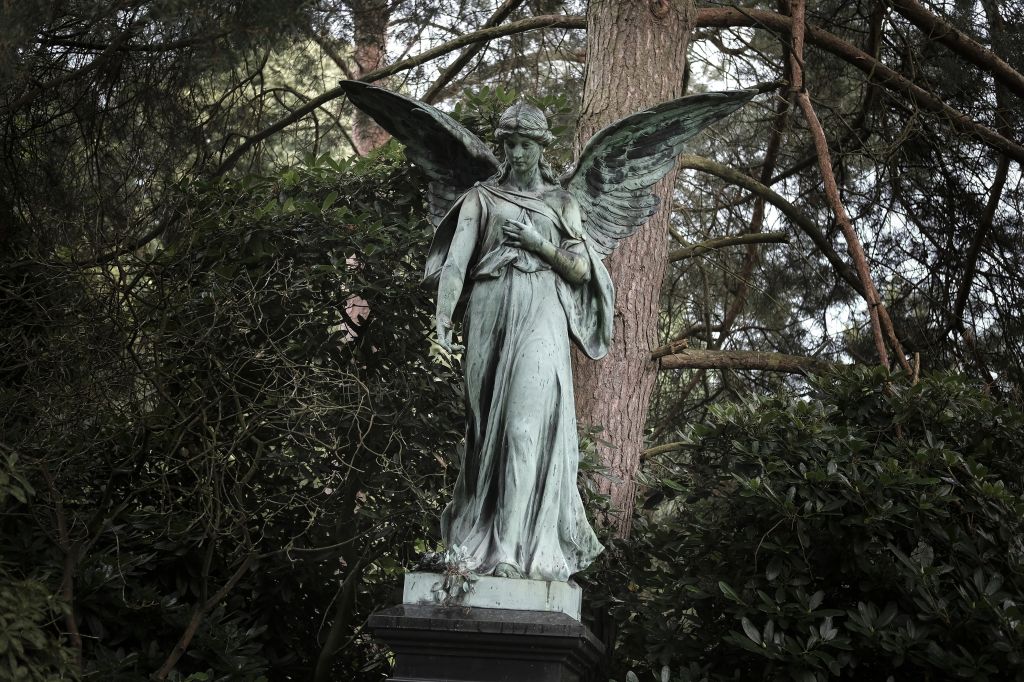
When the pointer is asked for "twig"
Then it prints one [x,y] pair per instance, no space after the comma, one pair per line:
[533,23]
[723,242]
[197,618]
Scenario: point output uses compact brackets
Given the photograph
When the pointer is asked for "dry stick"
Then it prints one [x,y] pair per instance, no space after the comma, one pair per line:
[876,311]
[473,50]
[662,449]
[67,582]
[704,358]
[197,618]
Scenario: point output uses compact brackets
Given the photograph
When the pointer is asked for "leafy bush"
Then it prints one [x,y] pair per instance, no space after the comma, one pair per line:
[31,649]
[237,439]
[872,531]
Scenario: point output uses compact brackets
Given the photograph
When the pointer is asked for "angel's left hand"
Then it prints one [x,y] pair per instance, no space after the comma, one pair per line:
[523,234]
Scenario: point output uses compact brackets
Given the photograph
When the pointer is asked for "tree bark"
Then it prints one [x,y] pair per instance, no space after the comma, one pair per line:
[370,37]
[636,57]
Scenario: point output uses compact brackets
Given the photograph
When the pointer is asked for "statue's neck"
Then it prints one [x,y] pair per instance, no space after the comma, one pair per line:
[528,181]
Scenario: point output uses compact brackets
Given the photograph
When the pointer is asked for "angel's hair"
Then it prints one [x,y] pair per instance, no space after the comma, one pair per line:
[528,121]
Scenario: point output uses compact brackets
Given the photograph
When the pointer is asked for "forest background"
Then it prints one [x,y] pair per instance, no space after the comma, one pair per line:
[224,430]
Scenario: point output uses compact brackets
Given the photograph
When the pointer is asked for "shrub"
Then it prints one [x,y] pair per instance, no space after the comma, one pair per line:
[227,450]
[870,531]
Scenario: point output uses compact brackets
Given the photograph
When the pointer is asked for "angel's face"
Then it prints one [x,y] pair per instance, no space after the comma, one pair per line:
[522,152]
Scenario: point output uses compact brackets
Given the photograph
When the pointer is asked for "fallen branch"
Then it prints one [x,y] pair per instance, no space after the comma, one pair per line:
[667,447]
[702,358]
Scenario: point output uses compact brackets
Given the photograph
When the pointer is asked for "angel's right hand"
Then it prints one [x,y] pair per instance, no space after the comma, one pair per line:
[444,335]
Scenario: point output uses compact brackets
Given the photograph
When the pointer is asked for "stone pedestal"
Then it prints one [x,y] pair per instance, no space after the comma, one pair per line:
[502,631]
[500,593]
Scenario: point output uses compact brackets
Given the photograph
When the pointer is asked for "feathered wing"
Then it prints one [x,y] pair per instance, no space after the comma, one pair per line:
[451,156]
[613,178]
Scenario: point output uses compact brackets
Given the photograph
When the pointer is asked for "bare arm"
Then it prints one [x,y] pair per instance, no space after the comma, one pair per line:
[571,262]
[453,273]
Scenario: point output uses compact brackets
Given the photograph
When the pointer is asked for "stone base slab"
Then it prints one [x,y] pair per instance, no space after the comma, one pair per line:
[489,592]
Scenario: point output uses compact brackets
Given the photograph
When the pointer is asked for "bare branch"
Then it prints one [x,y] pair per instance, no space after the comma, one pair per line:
[957,41]
[724,242]
[789,210]
[702,358]
[197,618]
[531,24]
[473,50]
[876,70]
[102,58]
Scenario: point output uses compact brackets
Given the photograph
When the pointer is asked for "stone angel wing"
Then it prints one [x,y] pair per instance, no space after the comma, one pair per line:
[613,178]
[452,157]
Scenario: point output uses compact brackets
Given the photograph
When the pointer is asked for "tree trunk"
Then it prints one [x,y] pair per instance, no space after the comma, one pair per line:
[370,19]
[636,57]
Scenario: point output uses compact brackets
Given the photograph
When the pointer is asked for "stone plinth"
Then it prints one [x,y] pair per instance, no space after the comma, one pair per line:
[490,592]
[434,643]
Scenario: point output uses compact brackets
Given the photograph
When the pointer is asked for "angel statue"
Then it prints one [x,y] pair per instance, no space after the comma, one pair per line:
[525,248]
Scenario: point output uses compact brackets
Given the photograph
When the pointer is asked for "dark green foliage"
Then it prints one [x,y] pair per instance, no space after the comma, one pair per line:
[28,607]
[481,110]
[249,432]
[871,532]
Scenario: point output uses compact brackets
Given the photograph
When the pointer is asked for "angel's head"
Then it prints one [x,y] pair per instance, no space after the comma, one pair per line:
[523,132]
[526,120]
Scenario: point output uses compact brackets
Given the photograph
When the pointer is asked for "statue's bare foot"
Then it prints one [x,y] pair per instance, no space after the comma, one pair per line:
[504,570]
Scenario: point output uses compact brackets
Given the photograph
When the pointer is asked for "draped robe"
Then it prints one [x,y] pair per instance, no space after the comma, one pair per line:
[516,500]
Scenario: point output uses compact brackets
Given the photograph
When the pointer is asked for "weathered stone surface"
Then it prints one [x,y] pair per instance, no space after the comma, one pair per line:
[500,593]
[459,644]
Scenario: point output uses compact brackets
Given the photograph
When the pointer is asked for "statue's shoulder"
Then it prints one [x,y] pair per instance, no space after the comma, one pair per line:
[474,194]
[560,199]
[481,187]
